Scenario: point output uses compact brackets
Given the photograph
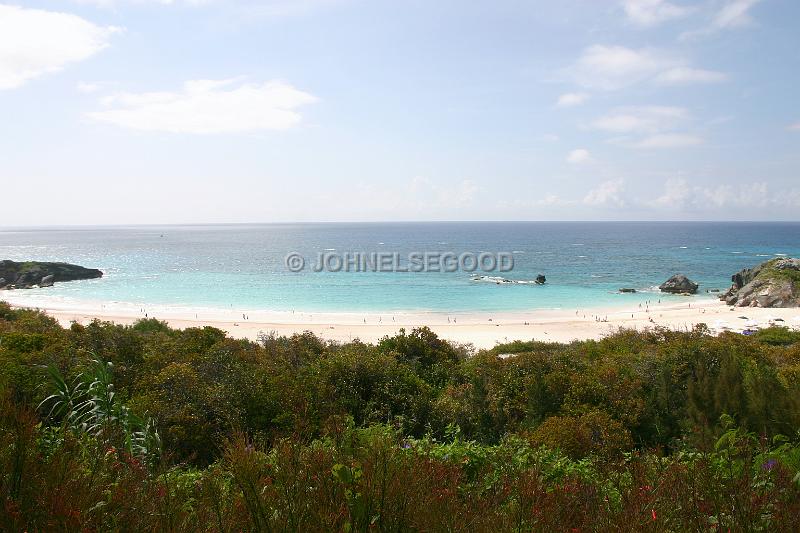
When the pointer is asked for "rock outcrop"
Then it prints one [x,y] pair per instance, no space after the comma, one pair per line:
[14,275]
[540,279]
[679,284]
[774,283]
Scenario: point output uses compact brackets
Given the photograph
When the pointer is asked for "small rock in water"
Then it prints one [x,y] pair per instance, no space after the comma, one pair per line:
[679,284]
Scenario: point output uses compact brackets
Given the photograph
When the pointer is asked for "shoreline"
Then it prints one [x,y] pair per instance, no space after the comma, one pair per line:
[481,329]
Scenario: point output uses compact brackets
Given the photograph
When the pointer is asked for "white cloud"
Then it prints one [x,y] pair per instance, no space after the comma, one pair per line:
[734,14]
[688,75]
[578,156]
[647,13]
[657,124]
[669,140]
[641,119]
[677,193]
[795,126]
[208,106]
[608,193]
[680,195]
[789,198]
[550,199]
[746,195]
[35,42]
[571,99]
[615,67]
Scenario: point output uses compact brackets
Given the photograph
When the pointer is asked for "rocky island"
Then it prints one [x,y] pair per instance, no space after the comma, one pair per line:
[29,274]
[773,283]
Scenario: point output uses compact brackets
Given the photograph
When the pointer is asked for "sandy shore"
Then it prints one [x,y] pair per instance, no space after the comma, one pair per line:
[483,330]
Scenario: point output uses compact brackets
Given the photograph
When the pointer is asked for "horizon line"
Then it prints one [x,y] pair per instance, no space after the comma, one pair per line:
[384,222]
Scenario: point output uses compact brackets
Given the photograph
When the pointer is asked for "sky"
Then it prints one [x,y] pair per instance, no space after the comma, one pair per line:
[223,111]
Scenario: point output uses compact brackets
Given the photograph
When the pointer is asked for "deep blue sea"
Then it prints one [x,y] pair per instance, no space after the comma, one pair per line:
[243,265]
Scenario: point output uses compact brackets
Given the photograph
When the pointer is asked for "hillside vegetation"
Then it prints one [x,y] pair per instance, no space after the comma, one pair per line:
[144,428]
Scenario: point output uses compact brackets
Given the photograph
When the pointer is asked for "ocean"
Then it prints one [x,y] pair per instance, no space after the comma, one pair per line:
[243,266]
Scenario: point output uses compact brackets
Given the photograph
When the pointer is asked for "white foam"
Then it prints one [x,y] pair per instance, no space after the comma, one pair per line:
[501,280]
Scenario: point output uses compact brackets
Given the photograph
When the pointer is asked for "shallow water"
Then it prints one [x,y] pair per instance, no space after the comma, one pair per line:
[242,266]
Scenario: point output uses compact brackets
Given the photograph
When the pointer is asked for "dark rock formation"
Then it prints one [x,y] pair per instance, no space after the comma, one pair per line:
[679,284]
[540,279]
[627,290]
[29,274]
[773,283]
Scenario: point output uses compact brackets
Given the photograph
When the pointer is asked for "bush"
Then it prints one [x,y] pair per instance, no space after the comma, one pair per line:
[579,436]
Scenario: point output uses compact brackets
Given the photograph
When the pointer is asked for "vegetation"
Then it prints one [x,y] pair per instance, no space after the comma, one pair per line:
[144,428]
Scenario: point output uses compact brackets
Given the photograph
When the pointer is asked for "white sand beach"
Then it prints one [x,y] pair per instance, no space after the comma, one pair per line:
[482,329]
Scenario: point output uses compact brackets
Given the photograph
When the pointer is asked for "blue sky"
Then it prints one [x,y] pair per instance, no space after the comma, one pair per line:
[148,111]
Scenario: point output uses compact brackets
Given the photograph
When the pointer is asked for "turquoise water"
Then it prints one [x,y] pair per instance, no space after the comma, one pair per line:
[243,265]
